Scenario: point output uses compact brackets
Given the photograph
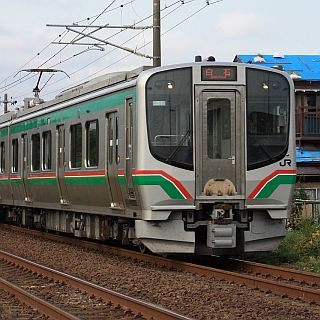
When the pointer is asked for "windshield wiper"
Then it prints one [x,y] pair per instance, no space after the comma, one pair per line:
[179,145]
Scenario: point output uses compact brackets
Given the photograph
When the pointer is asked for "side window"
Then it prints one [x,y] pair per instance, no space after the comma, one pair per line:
[46,150]
[15,155]
[2,157]
[76,146]
[92,144]
[35,152]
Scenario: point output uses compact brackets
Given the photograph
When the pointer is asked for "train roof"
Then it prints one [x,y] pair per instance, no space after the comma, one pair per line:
[102,82]
[116,80]
[96,84]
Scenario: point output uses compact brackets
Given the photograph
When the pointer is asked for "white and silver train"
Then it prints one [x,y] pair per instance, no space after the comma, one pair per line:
[196,158]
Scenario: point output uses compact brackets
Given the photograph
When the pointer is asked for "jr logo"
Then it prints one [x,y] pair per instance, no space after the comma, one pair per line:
[285,162]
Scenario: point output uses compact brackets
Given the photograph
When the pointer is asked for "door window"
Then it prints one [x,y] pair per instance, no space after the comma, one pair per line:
[218,129]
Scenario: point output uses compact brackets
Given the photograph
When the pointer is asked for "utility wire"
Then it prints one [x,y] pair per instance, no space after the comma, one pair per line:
[208,3]
[74,55]
[9,86]
[122,45]
[96,17]
[61,37]
[28,77]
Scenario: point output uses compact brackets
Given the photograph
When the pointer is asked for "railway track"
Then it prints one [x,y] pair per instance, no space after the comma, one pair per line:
[300,278]
[281,281]
[12,308]
[67,293]
[42,306]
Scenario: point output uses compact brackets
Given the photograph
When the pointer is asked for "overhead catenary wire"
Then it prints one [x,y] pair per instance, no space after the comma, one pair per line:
[167,7]
[31,59]
[120,31]
[83,79]
[60,36]
[180,3]
[148,43]
[28,77]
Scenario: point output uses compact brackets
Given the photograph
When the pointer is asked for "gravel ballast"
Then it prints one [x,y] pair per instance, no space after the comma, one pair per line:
[196,296]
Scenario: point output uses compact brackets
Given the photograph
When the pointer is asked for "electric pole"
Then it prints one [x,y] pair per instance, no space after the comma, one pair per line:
[5,103]
[156,34]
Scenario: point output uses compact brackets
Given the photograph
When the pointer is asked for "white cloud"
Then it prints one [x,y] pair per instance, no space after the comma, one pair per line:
[240,24]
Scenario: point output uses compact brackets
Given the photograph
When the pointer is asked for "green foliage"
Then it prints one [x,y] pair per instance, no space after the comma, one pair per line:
[311,264]
[301,247]
[297,208]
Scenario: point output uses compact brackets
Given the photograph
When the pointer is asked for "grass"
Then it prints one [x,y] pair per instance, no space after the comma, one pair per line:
[300,247]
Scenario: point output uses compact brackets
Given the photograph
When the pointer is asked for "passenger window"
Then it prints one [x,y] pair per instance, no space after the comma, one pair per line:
[92,144]
[35,152]
[47,150]
[2,157]
[15,155]
[76,146]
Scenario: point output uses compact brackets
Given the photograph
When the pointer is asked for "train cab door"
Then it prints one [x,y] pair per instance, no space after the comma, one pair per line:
[60,160]
[219,141]
[112,159]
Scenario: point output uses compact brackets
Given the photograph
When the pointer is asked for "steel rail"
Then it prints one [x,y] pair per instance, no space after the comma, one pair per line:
[40,305]
[147,310]
[278,272]
[307,294]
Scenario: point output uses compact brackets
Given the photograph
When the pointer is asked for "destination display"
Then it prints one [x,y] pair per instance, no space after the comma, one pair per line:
[218,73]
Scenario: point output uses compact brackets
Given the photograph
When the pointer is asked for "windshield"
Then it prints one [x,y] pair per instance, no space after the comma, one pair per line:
[268,103]
[169,117]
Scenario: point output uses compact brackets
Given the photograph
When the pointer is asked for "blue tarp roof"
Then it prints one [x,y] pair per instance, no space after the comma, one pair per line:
[307,156]
[305,66]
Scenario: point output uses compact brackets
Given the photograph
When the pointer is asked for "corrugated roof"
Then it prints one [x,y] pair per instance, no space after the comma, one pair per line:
[300,67]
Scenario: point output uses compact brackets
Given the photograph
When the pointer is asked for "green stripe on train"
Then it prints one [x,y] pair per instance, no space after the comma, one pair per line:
[43,181]
[15,181]
[3,132]
[111,101]
[157,180]
[272,185]
[100,180]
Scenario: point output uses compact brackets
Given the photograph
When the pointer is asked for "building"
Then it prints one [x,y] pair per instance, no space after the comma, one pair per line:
[305,72]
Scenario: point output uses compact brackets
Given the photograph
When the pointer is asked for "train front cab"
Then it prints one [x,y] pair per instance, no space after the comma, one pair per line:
[230,142]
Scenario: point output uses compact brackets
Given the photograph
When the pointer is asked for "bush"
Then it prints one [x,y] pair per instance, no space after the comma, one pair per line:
[302,245]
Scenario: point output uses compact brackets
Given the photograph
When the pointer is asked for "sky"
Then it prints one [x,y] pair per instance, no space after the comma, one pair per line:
[189,28]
